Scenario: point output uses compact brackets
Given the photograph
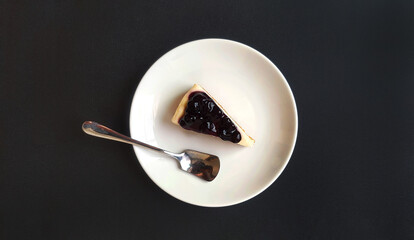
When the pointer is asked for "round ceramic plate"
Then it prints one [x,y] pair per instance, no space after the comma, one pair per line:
[254,93]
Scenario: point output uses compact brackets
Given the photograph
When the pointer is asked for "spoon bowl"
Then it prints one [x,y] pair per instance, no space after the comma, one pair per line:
[203,165]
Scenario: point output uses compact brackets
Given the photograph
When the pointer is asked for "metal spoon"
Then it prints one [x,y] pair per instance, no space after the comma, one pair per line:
[203,165]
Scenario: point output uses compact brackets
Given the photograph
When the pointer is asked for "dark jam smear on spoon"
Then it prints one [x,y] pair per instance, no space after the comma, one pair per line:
[204,116]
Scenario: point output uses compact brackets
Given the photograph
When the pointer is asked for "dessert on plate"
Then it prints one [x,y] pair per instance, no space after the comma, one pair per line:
[198,111]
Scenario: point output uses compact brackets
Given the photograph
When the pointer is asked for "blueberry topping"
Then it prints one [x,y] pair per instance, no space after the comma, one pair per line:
[204,116]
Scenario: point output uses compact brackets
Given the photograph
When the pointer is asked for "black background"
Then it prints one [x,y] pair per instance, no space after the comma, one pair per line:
[350,65]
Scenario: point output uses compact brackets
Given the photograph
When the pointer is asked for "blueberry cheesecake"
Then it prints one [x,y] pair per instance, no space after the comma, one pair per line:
[198,111]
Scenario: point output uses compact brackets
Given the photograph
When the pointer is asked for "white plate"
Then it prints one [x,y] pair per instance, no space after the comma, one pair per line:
[253,91]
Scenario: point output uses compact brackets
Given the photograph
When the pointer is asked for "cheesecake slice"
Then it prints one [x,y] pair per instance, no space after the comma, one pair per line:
[198,111]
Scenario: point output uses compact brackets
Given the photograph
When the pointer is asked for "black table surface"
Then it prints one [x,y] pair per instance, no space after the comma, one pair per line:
[350,65]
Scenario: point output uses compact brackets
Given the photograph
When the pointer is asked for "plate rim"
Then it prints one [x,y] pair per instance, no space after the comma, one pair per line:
[290,93]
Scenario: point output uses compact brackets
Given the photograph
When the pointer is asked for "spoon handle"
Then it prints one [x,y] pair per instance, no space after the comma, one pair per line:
[98,130]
